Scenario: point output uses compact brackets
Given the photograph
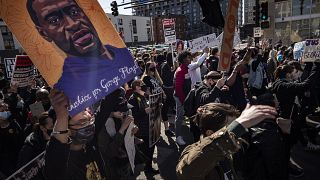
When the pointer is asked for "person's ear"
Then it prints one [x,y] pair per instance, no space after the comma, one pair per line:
[43,33]
[209,132]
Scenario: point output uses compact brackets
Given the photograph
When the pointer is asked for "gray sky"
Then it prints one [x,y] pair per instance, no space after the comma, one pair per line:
[105,4]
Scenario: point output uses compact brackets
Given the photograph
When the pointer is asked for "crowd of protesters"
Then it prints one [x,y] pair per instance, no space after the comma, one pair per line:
[260,106]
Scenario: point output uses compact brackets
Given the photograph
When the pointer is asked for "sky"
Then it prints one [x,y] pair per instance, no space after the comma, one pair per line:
[105,4]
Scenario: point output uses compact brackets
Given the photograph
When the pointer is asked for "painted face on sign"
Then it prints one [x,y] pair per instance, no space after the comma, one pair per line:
[64,23]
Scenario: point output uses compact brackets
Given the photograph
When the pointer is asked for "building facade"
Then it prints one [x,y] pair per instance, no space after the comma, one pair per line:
[180,22]
[248,11]
[293,20]
[189,8]
[7,39]
[135,30]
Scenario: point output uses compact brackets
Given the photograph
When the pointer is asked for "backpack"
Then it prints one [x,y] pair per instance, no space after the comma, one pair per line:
[189,103]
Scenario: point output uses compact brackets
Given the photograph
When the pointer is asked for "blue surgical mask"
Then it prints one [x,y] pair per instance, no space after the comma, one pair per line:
[5,115]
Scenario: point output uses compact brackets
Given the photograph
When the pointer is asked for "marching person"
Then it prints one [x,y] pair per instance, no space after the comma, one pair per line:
[222,132]
[72,152]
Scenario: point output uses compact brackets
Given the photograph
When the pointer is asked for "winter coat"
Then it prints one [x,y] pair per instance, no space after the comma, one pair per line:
[286,91]
[34,145]
[141,118]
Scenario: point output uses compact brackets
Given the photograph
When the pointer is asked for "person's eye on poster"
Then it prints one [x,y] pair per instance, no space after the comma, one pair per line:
[74,46]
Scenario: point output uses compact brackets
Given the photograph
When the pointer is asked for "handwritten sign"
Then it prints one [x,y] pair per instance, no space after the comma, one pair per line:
[200,43]
[228,36]
[155,118]
[311,50]
[31,170]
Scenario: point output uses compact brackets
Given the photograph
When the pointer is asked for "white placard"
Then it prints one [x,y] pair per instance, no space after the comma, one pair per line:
[169,31]
[200,43]
[311,51]
[129,144]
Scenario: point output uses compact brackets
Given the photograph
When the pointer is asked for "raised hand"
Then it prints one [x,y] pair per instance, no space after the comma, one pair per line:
[253,115]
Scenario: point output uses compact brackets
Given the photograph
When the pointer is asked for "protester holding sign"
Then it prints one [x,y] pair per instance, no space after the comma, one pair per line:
[72,147]
[286,91]
[140,112]
[36,142]
[68,48]
[194,67]
[112,144]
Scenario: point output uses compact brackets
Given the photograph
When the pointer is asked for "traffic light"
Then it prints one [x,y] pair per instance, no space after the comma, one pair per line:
[265,25]
[264,11]
[114,8]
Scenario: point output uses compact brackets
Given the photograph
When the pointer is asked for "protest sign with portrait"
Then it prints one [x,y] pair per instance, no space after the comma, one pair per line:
[74,46]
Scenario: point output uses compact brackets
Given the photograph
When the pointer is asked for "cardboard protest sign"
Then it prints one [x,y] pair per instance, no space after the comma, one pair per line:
[200,43]
[74,46]
[9,65]
[311,51]
[23,73]
[228,36]
[169,31]
[155,118]
[31,170]
[236,39]
[36,109]
[129,144]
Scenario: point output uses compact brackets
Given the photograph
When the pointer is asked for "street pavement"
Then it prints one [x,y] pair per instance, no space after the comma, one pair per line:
[167,153]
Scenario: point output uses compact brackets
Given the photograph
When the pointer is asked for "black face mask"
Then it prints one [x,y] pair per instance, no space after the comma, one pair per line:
[83,135]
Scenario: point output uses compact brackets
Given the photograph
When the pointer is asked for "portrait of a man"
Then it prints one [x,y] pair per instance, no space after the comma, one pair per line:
[91,69]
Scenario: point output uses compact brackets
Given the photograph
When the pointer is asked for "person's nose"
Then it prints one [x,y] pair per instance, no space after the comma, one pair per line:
[71,24]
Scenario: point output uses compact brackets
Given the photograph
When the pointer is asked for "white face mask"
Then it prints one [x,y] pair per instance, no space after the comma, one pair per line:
[5,115]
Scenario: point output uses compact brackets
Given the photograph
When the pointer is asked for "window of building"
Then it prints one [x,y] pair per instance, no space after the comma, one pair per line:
[135,38]
[148,23]
[7,38]
[121,29]
[120,22]
[296,7]
[134,26]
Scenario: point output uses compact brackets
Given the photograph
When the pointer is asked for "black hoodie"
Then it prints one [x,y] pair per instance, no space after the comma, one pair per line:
[286,91]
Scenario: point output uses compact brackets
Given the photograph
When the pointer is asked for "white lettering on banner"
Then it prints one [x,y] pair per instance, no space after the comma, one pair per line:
[30,170]
[210,40]
[127,71]
[80,100]
[104,85]
[200,43]
[311,51]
